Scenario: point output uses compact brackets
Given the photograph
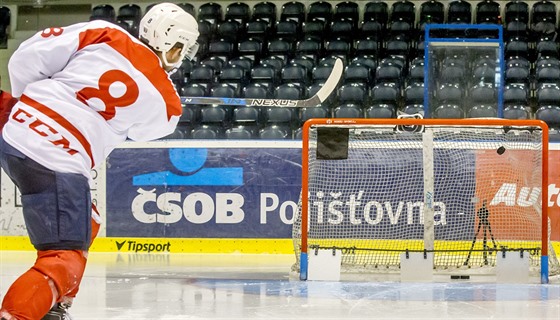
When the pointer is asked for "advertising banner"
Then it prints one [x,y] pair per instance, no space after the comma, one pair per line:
[202,192]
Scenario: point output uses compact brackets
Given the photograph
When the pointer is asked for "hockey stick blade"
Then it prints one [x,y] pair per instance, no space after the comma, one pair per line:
[326,90]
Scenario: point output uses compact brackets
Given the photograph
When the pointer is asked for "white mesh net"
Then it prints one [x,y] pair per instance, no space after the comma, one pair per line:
[466,192]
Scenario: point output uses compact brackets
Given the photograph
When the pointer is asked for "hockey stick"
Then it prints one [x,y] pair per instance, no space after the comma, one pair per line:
[318,98]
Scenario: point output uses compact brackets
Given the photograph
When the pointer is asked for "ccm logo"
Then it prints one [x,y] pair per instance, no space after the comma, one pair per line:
[43,129]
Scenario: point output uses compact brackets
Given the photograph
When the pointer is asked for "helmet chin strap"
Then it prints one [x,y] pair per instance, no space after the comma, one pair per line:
[171,65]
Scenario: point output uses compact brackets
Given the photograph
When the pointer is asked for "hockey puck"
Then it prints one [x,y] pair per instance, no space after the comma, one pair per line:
[501,150]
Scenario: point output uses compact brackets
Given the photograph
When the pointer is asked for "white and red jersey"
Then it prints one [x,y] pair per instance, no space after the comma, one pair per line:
[83,90]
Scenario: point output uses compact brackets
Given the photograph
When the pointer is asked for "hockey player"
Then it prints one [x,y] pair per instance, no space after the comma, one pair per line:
[7,102]
[82,89]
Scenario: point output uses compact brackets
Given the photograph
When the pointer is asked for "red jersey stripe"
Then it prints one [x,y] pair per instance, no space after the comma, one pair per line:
[61,121]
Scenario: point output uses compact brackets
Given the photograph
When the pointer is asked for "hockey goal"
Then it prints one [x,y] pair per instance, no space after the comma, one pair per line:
[465,190]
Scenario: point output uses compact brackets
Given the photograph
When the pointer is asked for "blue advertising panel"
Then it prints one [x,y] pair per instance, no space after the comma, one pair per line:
[202,192]
[253,193]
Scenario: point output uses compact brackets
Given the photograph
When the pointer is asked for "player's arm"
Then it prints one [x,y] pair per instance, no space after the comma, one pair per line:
[157,125]
[41,56]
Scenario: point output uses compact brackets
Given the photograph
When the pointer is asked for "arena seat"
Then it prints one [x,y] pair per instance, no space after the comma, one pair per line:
[258,30]
[129,15]
[380,111]
[432,11]
[376,11]
[487,11]
[321,11]
[405,10]
[516,11]
[294,11]
[238,11]
[275,132]
[459,11]
[5,21]
[348,110]
[103,12]
[265,11]
[211,12]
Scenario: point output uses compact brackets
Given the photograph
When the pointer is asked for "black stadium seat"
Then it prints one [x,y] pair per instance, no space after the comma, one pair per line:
[5,21]
[320,10]
[103,12]
[265,11]
[129,16]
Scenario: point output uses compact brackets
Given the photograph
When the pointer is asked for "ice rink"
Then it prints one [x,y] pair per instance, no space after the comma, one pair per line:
[190,286]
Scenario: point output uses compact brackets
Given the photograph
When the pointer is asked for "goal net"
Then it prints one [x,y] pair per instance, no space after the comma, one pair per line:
[465,190]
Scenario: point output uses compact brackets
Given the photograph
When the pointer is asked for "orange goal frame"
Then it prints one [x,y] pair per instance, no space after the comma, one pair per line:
[420,122]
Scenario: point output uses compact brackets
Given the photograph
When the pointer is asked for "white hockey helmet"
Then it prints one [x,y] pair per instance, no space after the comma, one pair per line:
[167,24]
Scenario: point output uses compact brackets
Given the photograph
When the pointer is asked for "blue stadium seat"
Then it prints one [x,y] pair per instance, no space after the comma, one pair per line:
[517,111]
[482,111]
[356,72]
[516,94]
[213,122]
[413,94]
[348,110]
[205,131]
[353,93]
[380,111]
[275,132]
[321,72]
[203,74]
[449,93]
[304,62]
[295,74]
[256,90]
[245,123]
[547,94]
[449,111]
[265,74]
[483,94]
[235,76]
[549,114]
[194,89]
